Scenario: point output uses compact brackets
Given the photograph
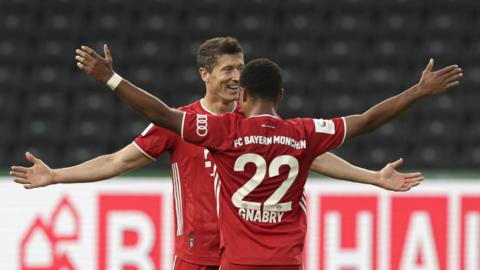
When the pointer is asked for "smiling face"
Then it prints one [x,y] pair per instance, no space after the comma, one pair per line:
[223,81]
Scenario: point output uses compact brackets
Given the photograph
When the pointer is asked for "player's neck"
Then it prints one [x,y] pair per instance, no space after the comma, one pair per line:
[262,108]
[216,105]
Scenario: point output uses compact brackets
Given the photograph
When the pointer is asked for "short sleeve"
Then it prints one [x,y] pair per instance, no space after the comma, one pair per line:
[325,134]
[154,141]
[209,131]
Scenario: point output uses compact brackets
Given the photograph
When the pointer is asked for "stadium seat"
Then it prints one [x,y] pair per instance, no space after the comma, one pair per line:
[75,154]
[41,129]
[49,153]
[93,103]
[161,25]
[48,102]
[203,24]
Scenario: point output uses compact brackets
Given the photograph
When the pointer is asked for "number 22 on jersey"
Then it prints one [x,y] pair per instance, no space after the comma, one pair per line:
[272,202]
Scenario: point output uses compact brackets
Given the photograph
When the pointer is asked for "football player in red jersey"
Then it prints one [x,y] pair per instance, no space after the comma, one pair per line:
[263,160]
[193,171]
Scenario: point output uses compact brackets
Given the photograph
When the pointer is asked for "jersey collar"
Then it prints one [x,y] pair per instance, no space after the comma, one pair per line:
[210,112]
[269,115]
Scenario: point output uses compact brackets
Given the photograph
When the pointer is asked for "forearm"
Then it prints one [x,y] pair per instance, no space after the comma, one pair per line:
[390,108]
[100,168]
[149,106]
[335,167]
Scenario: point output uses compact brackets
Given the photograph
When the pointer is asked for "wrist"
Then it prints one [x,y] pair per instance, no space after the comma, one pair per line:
[377,179]
[420,90]
[56,177]
[114,81]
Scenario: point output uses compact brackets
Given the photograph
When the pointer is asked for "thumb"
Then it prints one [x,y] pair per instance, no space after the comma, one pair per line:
[108,55]
[30,157]
[397,163]
[429,66]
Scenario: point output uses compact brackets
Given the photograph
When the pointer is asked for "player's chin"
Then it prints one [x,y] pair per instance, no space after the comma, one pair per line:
[232,94]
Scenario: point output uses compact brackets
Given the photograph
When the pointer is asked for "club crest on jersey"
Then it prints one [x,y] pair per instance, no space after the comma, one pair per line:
[202,125]
[324,126]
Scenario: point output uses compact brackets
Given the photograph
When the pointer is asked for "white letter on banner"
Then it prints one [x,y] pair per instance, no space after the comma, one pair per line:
[359,258]
[119,255]
[419,240]
[472,235]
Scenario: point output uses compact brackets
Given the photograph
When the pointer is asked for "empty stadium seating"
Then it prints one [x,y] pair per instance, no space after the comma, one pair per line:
[338,57]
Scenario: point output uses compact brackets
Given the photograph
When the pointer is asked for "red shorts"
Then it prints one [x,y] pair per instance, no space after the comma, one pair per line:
[179,264]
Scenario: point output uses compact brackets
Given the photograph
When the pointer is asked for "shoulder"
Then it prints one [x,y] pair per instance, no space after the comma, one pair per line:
[191,108]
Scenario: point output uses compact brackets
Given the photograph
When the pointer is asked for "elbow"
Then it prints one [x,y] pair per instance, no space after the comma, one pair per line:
[162,118]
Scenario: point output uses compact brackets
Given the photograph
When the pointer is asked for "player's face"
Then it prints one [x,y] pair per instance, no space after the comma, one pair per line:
[224,79]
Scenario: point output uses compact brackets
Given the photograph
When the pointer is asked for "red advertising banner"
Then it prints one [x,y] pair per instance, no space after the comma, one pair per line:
[127,224]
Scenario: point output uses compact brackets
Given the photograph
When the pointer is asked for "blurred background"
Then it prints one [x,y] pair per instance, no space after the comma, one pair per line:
[338,58]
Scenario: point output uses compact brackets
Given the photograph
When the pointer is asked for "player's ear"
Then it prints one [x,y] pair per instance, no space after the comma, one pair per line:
[280,95]
[204,74]
[243,94]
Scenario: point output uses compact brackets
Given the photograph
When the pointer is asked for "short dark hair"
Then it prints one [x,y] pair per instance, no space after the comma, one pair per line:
[262,78]
[210,50]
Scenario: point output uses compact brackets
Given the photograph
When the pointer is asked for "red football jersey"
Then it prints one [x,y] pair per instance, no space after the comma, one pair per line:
[263,163]
[196,222]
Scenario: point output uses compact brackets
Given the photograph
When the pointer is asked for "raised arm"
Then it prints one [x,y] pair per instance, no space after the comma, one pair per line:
[99,168]
[101,69]
[388,178]
[431,83]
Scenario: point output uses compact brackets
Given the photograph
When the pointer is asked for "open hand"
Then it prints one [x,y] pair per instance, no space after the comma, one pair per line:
[39,175]
[98,67]
[393,180]
[436,82]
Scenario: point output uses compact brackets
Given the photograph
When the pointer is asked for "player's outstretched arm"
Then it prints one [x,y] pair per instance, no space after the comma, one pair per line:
[431,83]
[388,178]
[101,69]
[99,168]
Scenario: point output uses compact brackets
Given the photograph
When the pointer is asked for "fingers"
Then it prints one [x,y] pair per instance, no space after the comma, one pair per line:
[453,75]
[447,69]
[30,157]
[414,179]
[21,181]
[454,78]
[83,60]
[407,187]
[429,66]
[18,174]
[397,163]
[81,66]
[108,55]
[453,84]
[84,57]
[413,175]
[453,72]
[90,51]
[19,169]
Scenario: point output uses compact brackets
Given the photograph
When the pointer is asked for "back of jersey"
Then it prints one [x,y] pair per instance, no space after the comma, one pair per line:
[263,163]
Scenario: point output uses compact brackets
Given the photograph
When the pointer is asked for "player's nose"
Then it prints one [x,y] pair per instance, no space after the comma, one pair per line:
[236,75]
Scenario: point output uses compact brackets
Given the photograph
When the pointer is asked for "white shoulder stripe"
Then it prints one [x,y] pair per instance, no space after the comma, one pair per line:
[178,198]
[145,131]
[344,130]
[183,124]
[143,152]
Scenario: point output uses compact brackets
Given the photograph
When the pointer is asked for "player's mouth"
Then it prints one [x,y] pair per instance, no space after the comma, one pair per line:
[234,88]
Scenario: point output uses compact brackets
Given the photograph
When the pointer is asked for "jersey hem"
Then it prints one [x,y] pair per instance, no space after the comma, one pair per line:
[199,260]
[262,261]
